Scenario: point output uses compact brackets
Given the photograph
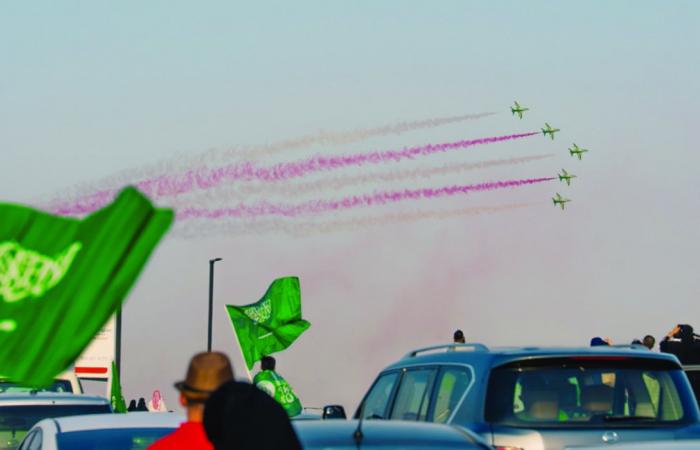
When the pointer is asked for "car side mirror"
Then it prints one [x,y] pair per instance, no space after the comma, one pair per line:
[333,412]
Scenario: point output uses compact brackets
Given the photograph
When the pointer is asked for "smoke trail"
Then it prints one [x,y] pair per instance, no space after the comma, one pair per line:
[354,180]
[349,137]
[168,185]
[193,229]
[378,198]
[182,161]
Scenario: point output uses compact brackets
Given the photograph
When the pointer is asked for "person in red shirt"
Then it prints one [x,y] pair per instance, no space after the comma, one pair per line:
[207,371]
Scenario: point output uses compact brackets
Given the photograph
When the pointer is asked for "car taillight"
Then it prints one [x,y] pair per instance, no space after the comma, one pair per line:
[507,447]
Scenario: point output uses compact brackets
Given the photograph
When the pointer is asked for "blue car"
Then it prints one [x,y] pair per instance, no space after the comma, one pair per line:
[540,398]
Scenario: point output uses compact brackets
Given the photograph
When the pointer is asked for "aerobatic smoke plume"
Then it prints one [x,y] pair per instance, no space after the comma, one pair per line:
[264,208]
[198,228]
[169,185]
[181,162]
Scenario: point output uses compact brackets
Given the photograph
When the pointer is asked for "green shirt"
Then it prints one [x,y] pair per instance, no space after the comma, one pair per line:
[278,388]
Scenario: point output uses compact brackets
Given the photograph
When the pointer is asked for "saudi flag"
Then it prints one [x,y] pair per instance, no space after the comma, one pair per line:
[62,278]
[115,392]
[271,324]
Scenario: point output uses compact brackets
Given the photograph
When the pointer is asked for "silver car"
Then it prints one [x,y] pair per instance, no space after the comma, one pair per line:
[535,398]
[19,412]
[130,431]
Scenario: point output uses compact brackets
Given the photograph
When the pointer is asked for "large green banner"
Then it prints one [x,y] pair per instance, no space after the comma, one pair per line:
[61,279]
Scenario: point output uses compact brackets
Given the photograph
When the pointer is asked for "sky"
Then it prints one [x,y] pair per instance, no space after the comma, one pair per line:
[101,94]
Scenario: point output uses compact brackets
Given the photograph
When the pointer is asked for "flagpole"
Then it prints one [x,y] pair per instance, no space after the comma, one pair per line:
[240,350]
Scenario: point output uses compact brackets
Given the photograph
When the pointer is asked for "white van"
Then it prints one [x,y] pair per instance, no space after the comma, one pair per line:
[65,382]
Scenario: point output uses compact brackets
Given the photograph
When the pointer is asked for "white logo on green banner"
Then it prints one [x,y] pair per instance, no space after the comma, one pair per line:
[26,273]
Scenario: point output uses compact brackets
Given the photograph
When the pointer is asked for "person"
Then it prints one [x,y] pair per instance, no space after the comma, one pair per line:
[649,341]
[156,403]
[458,337]
[141,406]
[599,341]
[240,416]
[271,382]
[132,406]
[636,342]
[206,372]
[681,341]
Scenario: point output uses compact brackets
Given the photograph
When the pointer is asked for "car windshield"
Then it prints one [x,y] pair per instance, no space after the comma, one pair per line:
[587,392]
[111,439]
[56,386]
[15,421]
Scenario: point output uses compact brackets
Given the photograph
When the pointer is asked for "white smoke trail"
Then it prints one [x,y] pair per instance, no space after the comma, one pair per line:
[206,228]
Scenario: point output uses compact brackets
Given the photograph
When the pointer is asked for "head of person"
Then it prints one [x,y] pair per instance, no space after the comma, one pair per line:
[685,333]
[636,342]
[206,372]
[458,337]
[268,363]
[649,341]
[598,341]
[240,416]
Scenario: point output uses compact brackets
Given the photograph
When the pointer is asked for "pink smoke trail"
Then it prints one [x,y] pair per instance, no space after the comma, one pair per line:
[378,198]
[168,185]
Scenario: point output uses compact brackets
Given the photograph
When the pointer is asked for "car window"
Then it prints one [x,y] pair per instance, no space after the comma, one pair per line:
[413,396]
[109,439]
[37,439]
[451,385]
[56,386]
[585,393]
[26,442]
[376,403]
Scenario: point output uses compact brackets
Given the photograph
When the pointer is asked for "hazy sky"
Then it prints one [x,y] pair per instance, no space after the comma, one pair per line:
[89,90]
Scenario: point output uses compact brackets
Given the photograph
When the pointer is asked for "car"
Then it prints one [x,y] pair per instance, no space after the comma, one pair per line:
[65,382]
[653,445]
[20,411]
[693,372]
[385,435]
[131,431]
[539,398]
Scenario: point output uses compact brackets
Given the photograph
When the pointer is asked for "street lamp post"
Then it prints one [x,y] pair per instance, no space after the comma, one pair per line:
[211,298]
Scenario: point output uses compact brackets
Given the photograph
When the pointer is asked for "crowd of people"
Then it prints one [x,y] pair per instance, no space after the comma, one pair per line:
[226,414]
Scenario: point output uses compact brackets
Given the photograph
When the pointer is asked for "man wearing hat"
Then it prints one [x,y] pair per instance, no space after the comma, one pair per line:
[207,371]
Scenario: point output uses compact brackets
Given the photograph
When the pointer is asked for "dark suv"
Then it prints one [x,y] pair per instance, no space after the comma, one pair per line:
[540,398]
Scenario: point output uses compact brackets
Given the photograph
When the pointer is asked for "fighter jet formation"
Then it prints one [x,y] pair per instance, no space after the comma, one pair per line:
[574,151]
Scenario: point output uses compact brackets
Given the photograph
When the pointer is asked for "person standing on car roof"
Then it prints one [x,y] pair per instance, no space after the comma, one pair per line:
[271,382]
[206,372]
[649,341]
[458,337]
[682,342]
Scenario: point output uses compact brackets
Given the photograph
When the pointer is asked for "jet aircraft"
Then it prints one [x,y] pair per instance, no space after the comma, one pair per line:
[577,151]
[559,200]
[517,109]
[548,130]
[566,176]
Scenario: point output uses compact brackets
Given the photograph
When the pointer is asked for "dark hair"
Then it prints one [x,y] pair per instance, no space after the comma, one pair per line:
[649,341]
[636,342]
[685,333]
[268,363]
[458,336]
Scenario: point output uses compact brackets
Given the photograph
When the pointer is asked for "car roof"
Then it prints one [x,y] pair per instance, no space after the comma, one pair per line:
[479,354]
[52,398]
[128,420]
[330,433]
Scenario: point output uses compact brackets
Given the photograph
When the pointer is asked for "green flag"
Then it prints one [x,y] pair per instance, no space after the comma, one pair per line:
[62,278]
[271,324]
[115,392]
